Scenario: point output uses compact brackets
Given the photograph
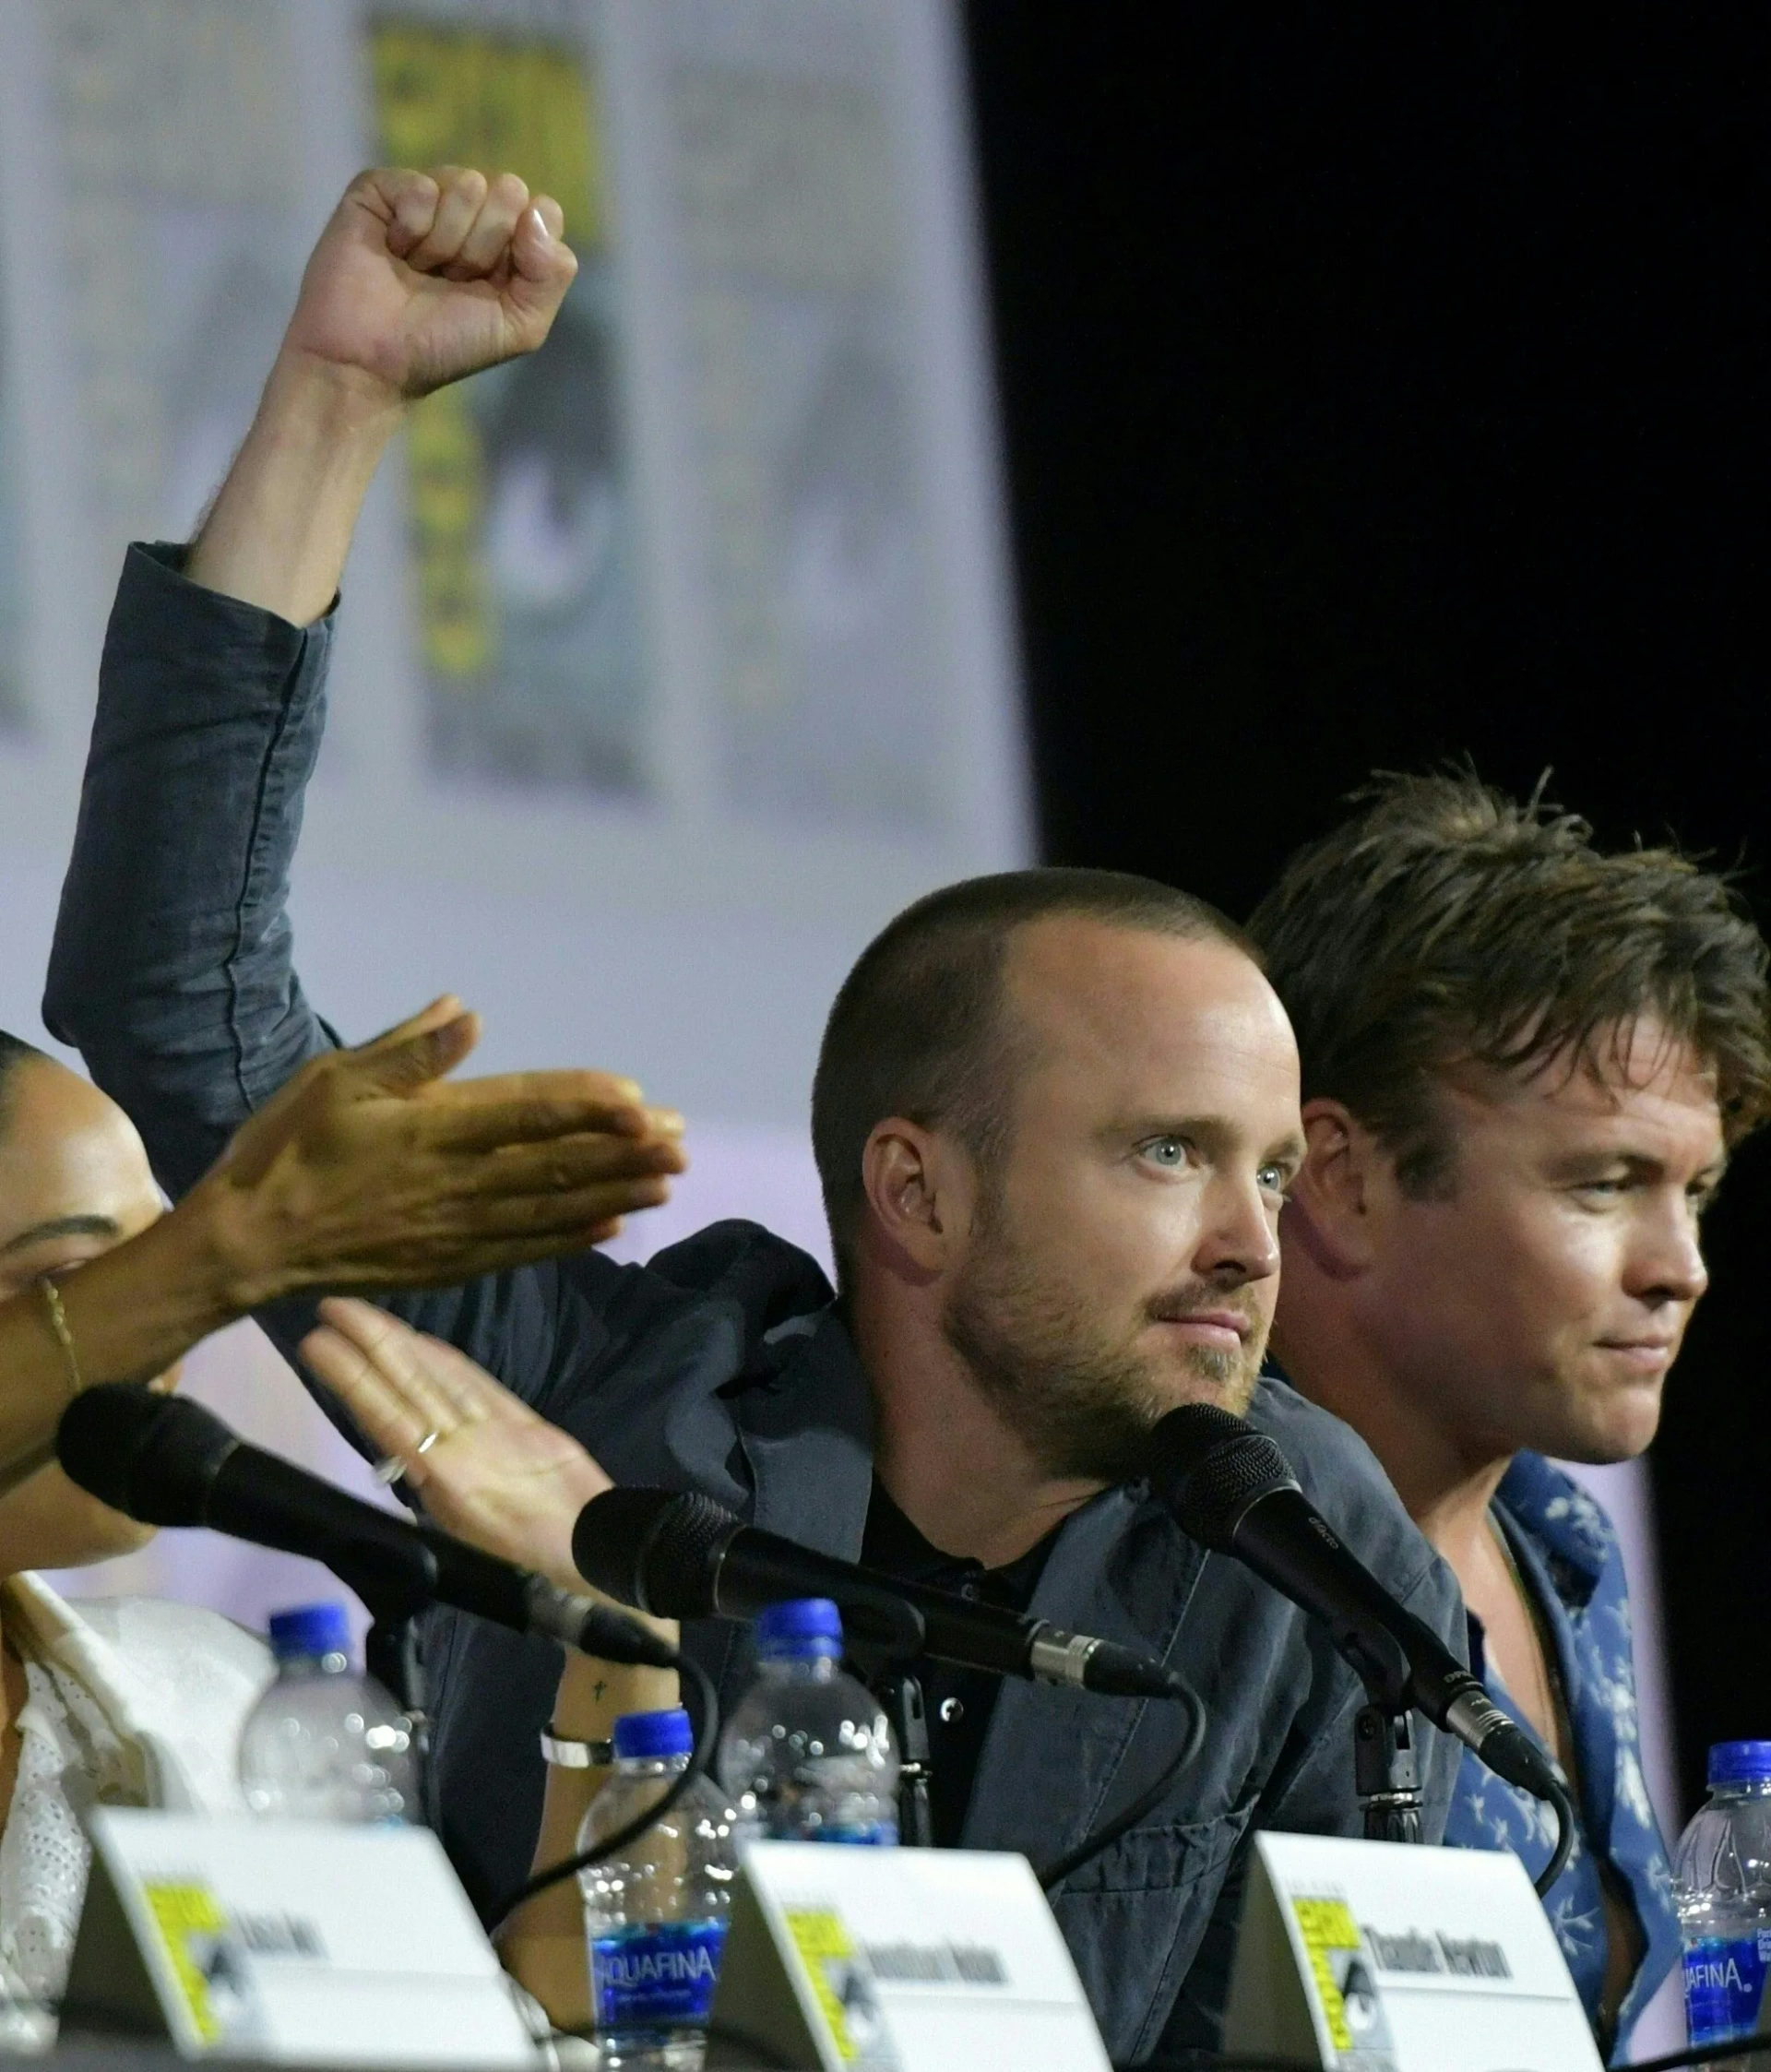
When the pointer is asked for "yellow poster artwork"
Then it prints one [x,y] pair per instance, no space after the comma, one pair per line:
[519,496]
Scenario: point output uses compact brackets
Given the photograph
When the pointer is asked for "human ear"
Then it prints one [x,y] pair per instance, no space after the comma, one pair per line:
[908,1195]
[1329,1207]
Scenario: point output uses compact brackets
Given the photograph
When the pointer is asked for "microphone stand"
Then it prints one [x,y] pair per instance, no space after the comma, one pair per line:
[390,1655]
[886,1637]
[899,1692]
[393,1582]
[1385,1775]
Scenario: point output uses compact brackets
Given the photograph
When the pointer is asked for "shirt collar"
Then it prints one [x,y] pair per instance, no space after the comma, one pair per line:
[894,1544]
[1549,1507]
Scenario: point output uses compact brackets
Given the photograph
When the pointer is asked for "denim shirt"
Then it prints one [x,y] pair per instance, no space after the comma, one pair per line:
[720,1365]
[1568,1556]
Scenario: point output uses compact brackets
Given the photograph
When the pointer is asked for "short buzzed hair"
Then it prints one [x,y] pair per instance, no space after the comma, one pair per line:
[14,1051]
[1443,923]
[917,1029]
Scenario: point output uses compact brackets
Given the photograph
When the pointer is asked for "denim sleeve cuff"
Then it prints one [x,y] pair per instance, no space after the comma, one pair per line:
[173,556]
[177,654]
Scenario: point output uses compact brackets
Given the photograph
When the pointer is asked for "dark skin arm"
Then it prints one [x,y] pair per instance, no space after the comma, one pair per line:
[369,1171]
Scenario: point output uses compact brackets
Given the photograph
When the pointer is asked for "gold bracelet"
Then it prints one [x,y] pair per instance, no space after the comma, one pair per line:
[63,1336]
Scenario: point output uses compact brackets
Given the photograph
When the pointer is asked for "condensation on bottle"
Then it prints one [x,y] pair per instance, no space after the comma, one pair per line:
[808,1754]
[1721,1886]
[326,1741]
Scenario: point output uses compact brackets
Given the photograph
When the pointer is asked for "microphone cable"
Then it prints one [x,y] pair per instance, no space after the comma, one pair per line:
[1128,1816]
[1561,1798]
[700,1757]
[706,1738]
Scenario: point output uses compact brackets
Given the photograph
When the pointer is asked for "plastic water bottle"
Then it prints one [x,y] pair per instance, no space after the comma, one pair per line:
[1722,1888]
[324,1743]
[808,1754]
[655,1915]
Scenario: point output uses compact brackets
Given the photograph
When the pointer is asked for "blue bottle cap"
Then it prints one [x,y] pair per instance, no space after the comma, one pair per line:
[800,1630]
[1740,1762]
[653,1736]
[310,1629]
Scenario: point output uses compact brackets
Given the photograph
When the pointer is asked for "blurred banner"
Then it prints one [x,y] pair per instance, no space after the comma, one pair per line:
[519,485]
[178,150]
[672,661]
[13,714]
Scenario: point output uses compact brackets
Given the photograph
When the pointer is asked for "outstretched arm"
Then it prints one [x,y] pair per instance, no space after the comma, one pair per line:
[419,279]
[369,1170]
[492,1472]
[498,1476]
[172,967]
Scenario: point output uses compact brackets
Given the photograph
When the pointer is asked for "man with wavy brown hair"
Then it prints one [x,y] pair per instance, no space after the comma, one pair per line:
[1525,1065]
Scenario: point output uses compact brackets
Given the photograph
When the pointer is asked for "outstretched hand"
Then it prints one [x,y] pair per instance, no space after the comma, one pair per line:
[492,1472]
[421,277]
[371,1170]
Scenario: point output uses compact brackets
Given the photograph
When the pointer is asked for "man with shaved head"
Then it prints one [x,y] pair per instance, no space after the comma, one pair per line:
[1055,1115]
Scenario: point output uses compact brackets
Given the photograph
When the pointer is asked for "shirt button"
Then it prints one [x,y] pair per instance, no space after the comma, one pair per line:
[951,1711]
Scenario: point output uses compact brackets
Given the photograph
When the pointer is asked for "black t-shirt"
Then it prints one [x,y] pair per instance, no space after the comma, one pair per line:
[958,1701]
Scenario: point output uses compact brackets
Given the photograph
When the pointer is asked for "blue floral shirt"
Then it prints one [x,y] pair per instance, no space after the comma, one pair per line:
[1568,1555]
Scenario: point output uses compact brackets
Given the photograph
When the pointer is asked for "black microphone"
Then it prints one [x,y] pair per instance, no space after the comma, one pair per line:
[686,1557]
[169,1462]
[1231,1489]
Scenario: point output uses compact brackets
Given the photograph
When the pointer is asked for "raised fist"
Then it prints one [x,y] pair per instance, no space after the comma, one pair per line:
[420,277]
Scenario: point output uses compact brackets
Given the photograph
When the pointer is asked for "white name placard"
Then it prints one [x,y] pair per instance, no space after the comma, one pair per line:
[1373,1957]
[288,1939]
[899,1960]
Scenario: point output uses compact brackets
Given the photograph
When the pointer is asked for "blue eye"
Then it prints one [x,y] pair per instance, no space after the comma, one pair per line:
[1271,1179]
[1165,1150]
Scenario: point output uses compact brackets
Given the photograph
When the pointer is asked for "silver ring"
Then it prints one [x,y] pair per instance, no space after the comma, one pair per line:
[391,1467]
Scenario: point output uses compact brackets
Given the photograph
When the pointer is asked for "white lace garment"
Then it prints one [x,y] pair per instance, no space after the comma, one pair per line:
[132,1702]
[67,1752]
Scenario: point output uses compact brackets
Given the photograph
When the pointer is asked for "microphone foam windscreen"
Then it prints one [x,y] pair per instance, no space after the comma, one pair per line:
[608,1535]
[152,1457]
[681,1563]
[654,1549]
[1208,1466]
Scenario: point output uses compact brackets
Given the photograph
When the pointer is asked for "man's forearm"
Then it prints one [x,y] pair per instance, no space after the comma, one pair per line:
[417,281]
[278,533]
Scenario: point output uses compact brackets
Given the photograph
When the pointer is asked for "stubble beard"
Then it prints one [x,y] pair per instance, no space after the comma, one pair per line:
[1083,1404]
